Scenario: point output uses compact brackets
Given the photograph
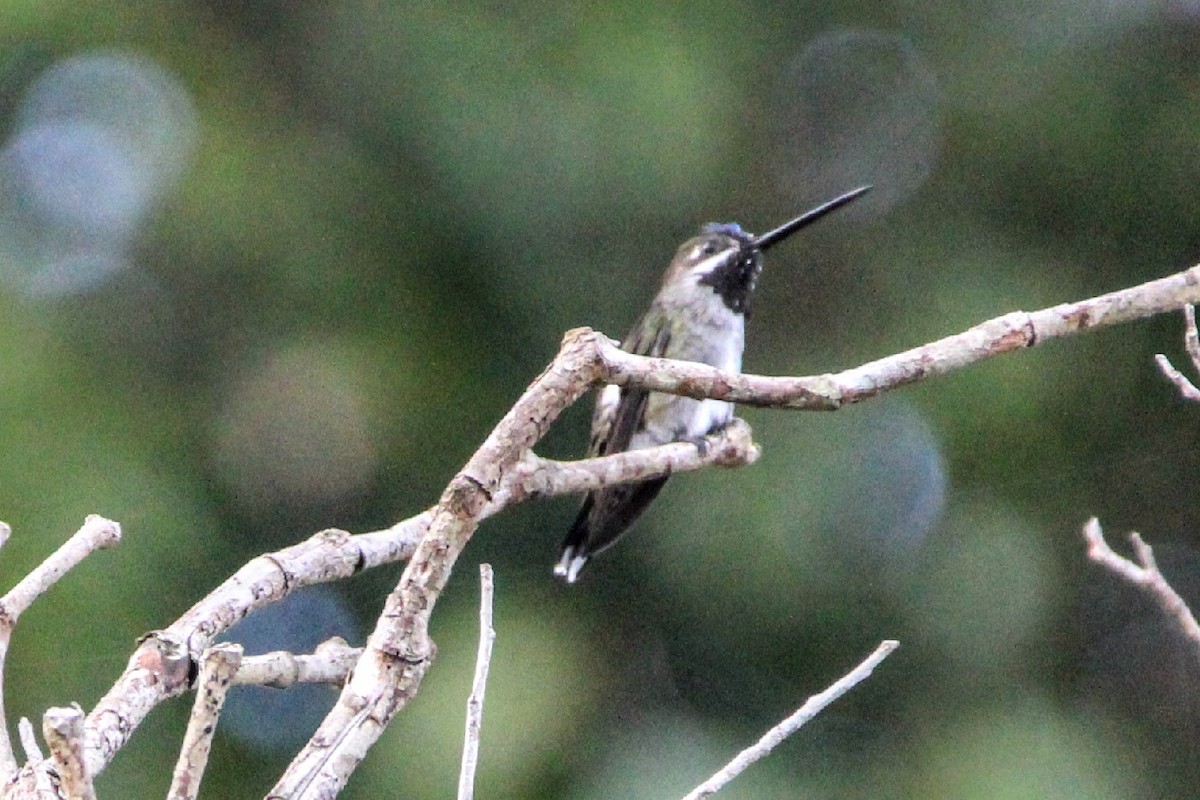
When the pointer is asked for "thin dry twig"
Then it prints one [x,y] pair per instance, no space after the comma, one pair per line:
[1146,577]
[830,392]
[217,668]
[483,661]
[772,738]
[1191,337]
[535,476]
[1191,343]
[330,663]
[63,729]
[95,534]
[29,742]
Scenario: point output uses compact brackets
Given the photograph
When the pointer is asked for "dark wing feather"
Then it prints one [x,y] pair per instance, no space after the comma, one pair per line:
[607,513]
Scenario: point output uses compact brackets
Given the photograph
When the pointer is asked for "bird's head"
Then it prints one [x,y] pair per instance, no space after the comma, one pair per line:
[728,260]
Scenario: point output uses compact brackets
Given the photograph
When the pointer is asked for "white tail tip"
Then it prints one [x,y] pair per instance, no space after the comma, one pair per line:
[569,565]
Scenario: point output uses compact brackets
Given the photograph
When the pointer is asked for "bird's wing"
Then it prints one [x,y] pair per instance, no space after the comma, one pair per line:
[614,424]
[606,513]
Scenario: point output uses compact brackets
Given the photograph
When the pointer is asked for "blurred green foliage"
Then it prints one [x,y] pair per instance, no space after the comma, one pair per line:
[393,213]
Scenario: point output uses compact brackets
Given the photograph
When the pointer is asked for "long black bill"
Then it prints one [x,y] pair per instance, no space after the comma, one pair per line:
[807,218]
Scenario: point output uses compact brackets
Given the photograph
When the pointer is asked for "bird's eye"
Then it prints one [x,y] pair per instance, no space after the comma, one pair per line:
[708,249]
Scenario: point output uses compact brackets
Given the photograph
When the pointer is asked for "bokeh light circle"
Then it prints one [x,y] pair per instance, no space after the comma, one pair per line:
[856,107]
[97,140]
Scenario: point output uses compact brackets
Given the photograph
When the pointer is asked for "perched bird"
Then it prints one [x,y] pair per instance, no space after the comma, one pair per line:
[699,314]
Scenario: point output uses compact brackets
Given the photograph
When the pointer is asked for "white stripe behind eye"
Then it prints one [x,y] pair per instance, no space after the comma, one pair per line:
[709,264]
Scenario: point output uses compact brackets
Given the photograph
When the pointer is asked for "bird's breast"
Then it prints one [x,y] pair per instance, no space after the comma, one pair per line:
[717,340]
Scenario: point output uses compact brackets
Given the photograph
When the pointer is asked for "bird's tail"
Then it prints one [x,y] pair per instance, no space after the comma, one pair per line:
[605,515]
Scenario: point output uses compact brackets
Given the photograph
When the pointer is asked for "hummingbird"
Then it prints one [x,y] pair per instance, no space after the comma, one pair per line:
[699,314]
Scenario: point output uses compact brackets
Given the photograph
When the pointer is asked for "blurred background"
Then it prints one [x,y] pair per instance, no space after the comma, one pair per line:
[267,268]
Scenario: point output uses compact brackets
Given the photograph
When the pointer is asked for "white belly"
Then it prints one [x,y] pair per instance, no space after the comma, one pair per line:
[684,418]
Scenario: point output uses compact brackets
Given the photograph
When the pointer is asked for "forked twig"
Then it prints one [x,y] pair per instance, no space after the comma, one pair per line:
[1146,577]
[95,534]
[1191,343]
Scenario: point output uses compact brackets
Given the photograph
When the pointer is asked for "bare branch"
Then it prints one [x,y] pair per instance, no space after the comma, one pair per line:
[1146,577]
[63,729]
[217,669]
[483,660]
[330,663]
[504,471]
[399,651]
[29,742]
[832,391]
[1186,388]
[1191,343]
[96,533]
[1191,337]
[772,738]
[159,668]
[535,477]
